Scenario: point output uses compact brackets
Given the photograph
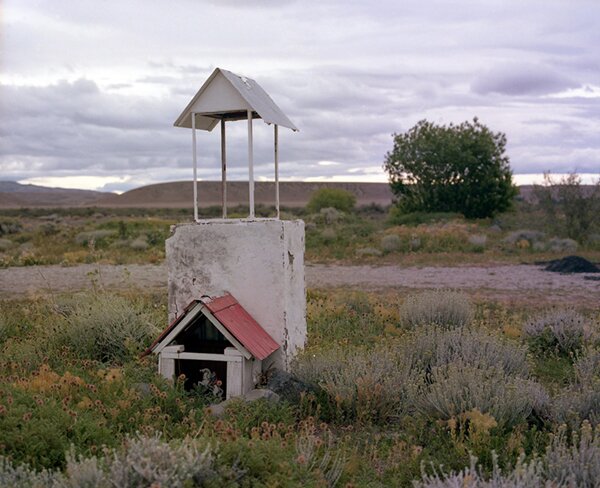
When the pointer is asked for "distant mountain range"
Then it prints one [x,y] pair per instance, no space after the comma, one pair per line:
[178,194]
[16,195]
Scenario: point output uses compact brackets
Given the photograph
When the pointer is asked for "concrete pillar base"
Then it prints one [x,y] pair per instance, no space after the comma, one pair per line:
[260,262]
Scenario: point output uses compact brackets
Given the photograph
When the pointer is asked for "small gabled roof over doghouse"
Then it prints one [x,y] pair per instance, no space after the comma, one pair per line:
[230,318]
[225,95]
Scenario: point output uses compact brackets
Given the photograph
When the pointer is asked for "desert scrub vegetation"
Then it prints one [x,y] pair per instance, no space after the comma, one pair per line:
[560,331]
[568,461]
[386,404]
[68,237]
[444,308]
[105,327]
[371,234]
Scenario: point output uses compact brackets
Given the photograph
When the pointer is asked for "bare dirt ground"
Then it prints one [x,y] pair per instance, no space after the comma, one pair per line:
[505,283]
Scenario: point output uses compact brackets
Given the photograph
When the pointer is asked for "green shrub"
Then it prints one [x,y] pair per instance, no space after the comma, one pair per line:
[5,244]
[455,168]
[95,236]
[107,327]
[398,217]
[561,331]
[570,208]
[331,198]
[328,234]
[444,308]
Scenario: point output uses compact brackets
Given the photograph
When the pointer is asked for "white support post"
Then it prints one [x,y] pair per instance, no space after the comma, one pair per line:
[276,150]
[235,374]
[223,170]
[195,167]
[166,367]
[250,166]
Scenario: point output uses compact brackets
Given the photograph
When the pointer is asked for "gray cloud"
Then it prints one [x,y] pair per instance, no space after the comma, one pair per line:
[522,79]
[95,91]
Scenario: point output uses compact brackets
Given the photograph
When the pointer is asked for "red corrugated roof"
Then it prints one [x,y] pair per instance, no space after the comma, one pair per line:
[228,311]
[242,326]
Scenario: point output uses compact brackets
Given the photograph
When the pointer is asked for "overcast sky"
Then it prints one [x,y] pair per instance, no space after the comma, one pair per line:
[89,90]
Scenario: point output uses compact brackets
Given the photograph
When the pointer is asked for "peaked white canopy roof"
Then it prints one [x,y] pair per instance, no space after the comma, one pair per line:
[227,96]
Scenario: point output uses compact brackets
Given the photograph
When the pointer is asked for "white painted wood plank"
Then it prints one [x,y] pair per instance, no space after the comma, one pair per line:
[201,356]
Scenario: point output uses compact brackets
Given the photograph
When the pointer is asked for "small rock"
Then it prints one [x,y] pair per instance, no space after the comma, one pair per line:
[263,393]
[286,385]
[143,389]
[218,409]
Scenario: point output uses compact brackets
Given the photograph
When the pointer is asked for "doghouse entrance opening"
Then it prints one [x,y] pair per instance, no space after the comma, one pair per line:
[194,374]
[202,336]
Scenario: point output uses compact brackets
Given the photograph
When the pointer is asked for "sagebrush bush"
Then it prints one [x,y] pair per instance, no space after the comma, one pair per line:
[330,215]
[430,347]
[22,476]
[368,251]
[444,308]
[575,462]
[531,236]
[454,389]
[562,245]
[523,475]
[478,241]
[139,244]
[587,366]
[328,234]
[391,243]
[577,402]
[365,385]
[141,462]
[568,462]
[561,331]
[5,244]
[96,236]
[107,327]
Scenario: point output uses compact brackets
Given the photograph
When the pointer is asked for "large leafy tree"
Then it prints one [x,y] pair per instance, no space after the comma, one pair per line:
[451,168]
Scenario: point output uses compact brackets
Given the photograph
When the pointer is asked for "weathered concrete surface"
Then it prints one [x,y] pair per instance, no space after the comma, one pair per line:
[260,262]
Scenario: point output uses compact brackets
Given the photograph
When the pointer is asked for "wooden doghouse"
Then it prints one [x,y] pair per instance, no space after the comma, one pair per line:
[217,334]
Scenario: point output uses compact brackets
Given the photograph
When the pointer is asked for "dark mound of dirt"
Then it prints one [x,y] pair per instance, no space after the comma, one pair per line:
[572,264]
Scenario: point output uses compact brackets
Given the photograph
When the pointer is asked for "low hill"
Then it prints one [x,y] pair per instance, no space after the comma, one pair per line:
[179,194]
[16,195]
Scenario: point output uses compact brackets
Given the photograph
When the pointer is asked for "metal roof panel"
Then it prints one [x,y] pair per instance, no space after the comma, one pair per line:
[242,325]
[258,100]
[228,311]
